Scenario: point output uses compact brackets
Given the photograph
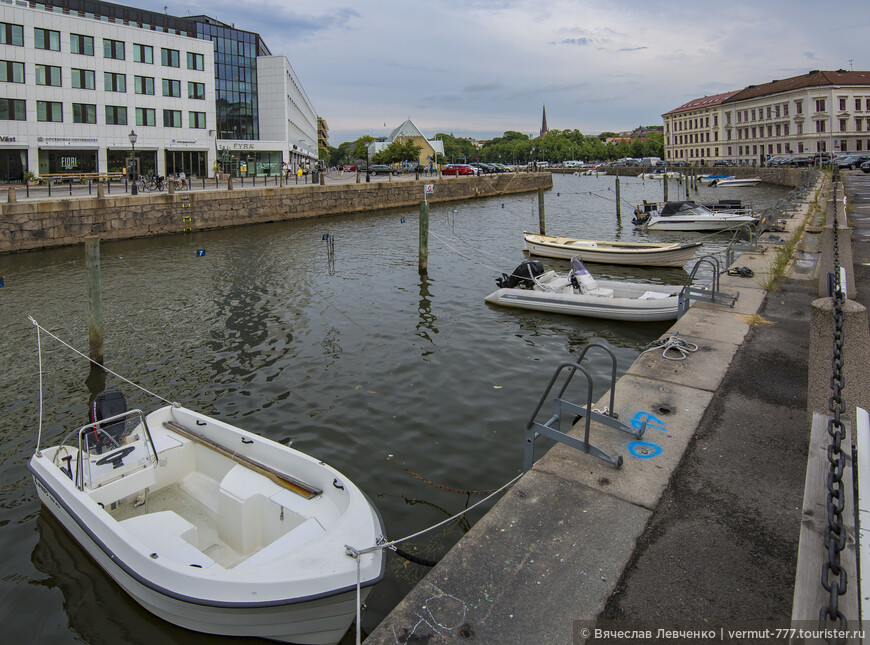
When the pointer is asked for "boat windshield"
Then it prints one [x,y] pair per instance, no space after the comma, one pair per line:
[112,448]
[685,208]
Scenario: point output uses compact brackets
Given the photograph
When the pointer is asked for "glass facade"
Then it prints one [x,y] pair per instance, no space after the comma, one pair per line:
[235,79]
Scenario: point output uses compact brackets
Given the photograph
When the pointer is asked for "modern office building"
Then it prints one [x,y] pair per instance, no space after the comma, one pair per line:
[76,76]
[821,111]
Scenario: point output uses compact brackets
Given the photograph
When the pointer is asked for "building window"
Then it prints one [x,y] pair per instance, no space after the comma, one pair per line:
[48,75]
[143,53]
[11,34]
[753,114]
[113,49]
[800,128]
[143,84]
[798,107]
[80,44]
[195,61]
[842,105]
[171,88]
[858,124]
[858,145]
[46,39]
[84,113]
[728,120]
[197,120]
[739,116]
[170,57]
[83,79]
[12,110]
[49,111]
[857,104]
[800,147]
[785,129]
[146,116]
[842,125]
[820,105]
[768,111]
[196,90]
[820,126]
[11,71]
[776,110]
[867,104]
[113,82]
[171,118]
[116,115]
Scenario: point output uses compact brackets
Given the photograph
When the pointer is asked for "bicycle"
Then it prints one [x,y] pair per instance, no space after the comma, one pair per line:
[180,183]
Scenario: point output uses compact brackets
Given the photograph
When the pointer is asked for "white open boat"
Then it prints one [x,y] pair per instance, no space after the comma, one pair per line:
[736,182]
[213,528]
[579,294]
[672,254]
[709,179]
[660,173]
[689,216]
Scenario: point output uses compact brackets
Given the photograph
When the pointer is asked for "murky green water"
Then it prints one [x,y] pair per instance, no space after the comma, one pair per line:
[409,386]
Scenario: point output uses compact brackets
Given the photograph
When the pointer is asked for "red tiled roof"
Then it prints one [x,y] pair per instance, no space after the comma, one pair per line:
[703,102]
[815,78]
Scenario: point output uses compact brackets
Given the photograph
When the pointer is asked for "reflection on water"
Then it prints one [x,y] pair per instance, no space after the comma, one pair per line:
[413,387]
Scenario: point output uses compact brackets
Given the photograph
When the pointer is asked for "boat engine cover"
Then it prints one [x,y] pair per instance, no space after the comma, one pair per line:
[523,276]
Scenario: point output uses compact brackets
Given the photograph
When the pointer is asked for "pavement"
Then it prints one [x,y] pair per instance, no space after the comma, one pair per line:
[700,525]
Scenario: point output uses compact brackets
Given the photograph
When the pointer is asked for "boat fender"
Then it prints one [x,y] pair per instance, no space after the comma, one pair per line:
[581,278]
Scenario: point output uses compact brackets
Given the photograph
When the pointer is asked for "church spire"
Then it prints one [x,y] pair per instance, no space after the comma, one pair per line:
[544,128]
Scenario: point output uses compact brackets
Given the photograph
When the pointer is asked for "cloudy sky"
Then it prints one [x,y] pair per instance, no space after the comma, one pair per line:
[480,67]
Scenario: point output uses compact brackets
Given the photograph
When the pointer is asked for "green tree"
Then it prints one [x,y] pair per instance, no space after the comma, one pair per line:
[360,147]
[398,151]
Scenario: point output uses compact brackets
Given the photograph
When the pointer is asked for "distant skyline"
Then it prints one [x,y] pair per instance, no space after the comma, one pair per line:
[480,68]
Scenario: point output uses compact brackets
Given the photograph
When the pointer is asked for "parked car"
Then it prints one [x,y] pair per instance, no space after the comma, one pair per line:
[382,169]
[851,161]
[458,169]
[721,162]
[865,166]
[678,162]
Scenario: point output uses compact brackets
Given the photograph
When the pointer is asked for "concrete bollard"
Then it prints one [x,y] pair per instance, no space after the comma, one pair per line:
[856,357]
[170,183]
[229,182]
[322,179]
[10,196]
[101,190]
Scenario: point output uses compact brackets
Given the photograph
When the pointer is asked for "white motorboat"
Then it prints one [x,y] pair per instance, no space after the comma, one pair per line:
[579,294]
[710,179]
[735,182]
[213,528]
[672,254]
[689,216]
[660,173]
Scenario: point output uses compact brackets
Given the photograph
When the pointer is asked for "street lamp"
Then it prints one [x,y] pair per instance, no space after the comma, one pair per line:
[133,137]
[368,174]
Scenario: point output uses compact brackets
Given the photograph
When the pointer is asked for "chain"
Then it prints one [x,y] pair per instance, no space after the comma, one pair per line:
[833,573]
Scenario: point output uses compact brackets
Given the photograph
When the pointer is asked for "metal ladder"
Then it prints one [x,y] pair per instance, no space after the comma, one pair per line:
[551,428]
[703,294]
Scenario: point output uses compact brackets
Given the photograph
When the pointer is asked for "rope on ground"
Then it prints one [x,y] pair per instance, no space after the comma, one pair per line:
[679,349]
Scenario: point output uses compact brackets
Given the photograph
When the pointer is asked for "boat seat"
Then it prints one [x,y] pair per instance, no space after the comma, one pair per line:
[168,535]
[601,292]
[287,543]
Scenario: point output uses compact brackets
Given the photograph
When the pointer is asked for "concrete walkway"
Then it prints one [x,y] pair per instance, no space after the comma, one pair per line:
[700,525]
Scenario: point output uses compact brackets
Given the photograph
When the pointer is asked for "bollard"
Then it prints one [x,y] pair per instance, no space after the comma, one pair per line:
[171,185]
[322,179]
[11,198]
[101,190]
[856,357]
[229,182]
[282,180]
[357,176]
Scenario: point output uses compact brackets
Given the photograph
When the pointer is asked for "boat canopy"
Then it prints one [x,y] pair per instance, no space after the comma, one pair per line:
[676,208]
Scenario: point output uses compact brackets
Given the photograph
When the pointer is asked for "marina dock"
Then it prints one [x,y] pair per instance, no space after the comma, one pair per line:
[698,531]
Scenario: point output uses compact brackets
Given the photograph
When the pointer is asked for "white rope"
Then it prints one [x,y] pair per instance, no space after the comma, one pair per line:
[115,374]
[39,354]
[678,347]
[354,553]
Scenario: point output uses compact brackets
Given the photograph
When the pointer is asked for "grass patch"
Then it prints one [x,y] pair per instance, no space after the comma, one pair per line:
[755,319]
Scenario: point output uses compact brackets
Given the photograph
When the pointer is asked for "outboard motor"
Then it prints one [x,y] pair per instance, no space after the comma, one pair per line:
[642,213]
[108,404]
[523,276]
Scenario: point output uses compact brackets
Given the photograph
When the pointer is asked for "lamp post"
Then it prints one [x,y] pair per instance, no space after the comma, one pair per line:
[133,137]
[368,174]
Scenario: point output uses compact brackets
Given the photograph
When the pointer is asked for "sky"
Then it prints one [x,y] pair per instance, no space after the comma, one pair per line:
[478,68]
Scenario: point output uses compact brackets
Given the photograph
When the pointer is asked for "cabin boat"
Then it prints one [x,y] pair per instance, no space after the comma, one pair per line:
[689,216]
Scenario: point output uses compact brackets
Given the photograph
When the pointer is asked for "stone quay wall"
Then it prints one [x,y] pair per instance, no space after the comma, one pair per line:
[60,222]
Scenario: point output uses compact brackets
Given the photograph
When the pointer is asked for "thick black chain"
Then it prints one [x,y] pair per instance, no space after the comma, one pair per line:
[833,573]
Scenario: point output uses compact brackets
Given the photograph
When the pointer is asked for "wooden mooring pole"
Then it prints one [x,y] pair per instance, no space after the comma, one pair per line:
[665,184]
[618,199]
[687,184]
[542,220]
[423,266]
[95,299]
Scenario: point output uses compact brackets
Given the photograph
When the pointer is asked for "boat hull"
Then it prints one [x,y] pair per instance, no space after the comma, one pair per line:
[626,309]
[736,183]
[674,223]
[627,254]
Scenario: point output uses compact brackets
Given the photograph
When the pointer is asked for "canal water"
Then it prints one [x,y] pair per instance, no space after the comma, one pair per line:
[413,387]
